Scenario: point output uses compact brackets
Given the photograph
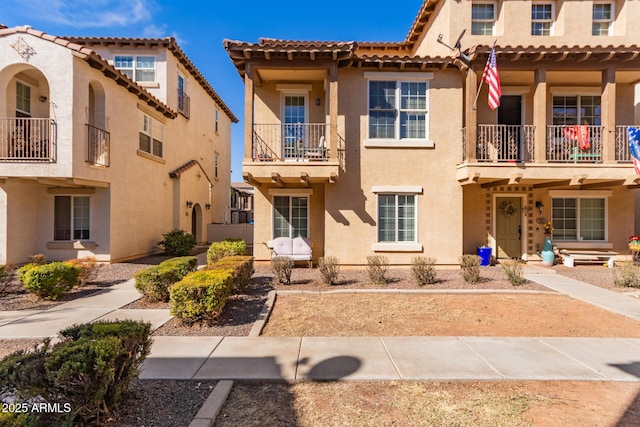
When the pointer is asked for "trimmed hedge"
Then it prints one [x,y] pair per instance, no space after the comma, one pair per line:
[201,295]
[49,281]
[154,282]
[228,247]
[242,267]
[86,374]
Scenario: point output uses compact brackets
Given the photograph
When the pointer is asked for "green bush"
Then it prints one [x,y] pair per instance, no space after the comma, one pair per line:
[513,270]
[470,265]
[329,270]
[424,270]
[282,267]
[177,242]
[626,274]
[6,277]
[154,282]
[377,268]
[49,281]
[242,267]
[88,268]
[201,295]
[228,247]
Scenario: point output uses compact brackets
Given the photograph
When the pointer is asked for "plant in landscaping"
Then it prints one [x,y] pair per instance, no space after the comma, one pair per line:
[227,247]
[88,268]
[470,265]
[329,270]
[424,271]
[626,274]
[177,242]
[6,277]
[201,295]
[49,281]
[242,267]
[37,259]
[377,268]
[154,282]
[281,267]
[513,270]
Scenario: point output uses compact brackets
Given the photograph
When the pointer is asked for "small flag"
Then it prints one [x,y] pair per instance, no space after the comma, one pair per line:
[579,133]
[634,146]
[490,76]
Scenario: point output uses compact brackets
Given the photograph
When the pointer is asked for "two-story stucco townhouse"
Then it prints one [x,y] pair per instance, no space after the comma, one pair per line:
[375,147]
[106,144]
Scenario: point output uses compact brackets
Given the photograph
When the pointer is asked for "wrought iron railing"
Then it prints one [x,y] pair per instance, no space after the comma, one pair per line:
[184,103]
[623,154]
[98,146]
[290,142]
[574,143]
[505,143]
[27,140]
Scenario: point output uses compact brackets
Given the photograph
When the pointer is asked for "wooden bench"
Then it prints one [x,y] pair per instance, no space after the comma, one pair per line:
[573,255]
[577,155]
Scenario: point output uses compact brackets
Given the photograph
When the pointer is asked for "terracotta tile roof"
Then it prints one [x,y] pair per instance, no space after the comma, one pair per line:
[182,169]
[99,63]
[404,62]
[554,53]
[425,12]
[167,43]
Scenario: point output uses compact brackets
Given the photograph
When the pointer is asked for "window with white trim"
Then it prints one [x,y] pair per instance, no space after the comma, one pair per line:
[397,218]
[215,165]
[579,218]
[483,18]
[23,100]
[398,109]
[216,122]
[290,216]
[602,24]
[71,218]
[542,15]
[137,68]
[151,135]
[577,109]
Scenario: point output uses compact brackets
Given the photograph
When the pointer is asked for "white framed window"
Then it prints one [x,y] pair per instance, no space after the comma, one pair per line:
[579,219]
[23,99]
[397,218]
[602,24]
[290,216]
[71,218]
[542,18]
[577,109]
[216,158]
[216,122]
[184,102]
[137,68]
[151,135]
[483,18]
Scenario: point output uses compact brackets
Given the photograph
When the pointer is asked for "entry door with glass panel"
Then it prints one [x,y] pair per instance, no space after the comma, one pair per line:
[508,140]
[293,132]
[508,227]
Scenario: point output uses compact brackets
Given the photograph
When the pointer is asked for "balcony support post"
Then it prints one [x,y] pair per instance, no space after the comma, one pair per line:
[333,112]
[470,116]
[248,113]
[540,115]
[608,105]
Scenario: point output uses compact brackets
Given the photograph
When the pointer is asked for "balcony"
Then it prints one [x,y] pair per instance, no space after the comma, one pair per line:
[27,140]
[505,143]
[293,153]
[98,145]
[574,144]
[184,103]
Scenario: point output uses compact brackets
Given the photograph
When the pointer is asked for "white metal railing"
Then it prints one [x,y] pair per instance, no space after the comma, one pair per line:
[27,139]
[574,143]
[622,144]
[97,146]
[505,143]
[290,142]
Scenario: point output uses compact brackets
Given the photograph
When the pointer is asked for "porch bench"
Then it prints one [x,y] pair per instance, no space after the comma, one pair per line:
[297,249]
[573,255]
[577,155]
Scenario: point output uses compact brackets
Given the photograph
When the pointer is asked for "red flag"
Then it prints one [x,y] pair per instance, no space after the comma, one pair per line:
[490,76]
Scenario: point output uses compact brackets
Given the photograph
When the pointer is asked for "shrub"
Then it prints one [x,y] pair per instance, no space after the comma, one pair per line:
[377,268]
[470,265]
[281,267]
[627,274]
[329,270]
[201,295]
[513,270]
[37,259]
[242,267]
[154,282]
[228,247]
[50,281]
[6,277]
[88,268]
[424,271]
[177,242]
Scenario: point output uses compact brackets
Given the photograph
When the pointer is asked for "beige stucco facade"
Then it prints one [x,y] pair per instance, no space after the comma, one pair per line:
[134,196]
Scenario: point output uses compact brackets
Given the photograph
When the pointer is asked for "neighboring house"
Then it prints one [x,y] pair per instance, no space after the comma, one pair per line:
[374,147]
[105,144]
[241,203]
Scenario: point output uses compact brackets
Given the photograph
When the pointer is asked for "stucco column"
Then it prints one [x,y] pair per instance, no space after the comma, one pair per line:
[608,105]
[248,113]
[470,116]
[333,112]
[540,115]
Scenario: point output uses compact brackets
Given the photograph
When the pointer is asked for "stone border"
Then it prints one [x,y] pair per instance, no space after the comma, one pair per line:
[210,409]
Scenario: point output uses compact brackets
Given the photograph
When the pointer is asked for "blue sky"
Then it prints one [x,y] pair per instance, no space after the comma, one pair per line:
[199,27]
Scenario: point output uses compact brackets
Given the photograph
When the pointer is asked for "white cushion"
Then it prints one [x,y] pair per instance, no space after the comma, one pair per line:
[282,246]
[301,246]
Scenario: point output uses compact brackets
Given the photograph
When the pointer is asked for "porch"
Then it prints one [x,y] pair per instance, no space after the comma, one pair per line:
[27,140]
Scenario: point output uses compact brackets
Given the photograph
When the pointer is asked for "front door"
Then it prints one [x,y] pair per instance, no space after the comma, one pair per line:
[294,122]
[510,133]
[508,227]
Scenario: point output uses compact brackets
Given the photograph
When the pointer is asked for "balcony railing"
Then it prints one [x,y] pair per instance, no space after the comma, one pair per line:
[623,154]
[97,146]
[505,143]
[574,144]
[27,140]
[184,103]
[290,142]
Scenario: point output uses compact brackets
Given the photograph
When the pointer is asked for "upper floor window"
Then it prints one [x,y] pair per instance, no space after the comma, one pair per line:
[577,110]
[216,123]
[215,165]
[151,135]
[184,101]
[23,100]
[602,24]
[398,110]
[541,19]
[483,19]
[138,68]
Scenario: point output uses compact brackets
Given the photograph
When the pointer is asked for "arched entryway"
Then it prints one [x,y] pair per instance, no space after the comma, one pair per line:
[196,222]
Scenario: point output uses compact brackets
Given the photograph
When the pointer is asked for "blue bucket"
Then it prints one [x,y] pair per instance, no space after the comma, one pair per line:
[484,252]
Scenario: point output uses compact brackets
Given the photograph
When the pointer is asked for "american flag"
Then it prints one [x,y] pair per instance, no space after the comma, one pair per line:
[490,76]
[634,146]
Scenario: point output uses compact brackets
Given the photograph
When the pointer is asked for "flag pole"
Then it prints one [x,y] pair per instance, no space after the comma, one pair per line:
[475,101]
